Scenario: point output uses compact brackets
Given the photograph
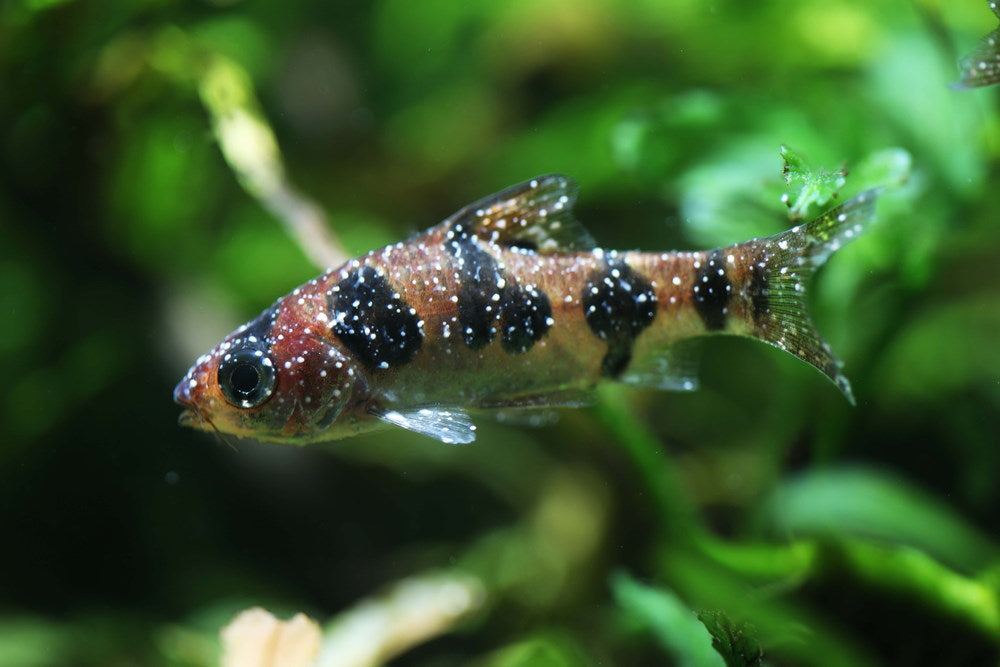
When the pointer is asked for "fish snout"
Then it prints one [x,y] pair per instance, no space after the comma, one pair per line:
[186,395]
[182,392]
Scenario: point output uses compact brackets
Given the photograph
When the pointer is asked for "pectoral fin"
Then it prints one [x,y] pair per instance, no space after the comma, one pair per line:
[449,425]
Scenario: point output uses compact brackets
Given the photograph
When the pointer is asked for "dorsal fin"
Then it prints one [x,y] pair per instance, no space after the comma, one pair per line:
[534,215]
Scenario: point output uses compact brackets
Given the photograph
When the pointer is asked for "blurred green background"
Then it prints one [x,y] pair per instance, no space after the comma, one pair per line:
[794,524]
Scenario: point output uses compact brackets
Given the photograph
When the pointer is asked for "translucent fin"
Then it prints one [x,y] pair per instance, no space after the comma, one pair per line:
[535,215]
[450,426]
[564,398]
[784,263]
[536,409]
[982,66]
[674,368]
[533,417]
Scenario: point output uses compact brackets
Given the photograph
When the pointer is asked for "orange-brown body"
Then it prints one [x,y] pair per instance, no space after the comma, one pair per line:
[506,304]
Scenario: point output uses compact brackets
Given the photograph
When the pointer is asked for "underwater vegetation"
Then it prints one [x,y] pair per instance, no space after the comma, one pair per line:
[168,170]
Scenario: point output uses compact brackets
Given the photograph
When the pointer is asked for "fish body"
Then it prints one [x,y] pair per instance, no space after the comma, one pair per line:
[982,66]
[508,304]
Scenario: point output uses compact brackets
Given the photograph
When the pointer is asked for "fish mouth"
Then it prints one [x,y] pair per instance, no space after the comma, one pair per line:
[191,419]
[189,416]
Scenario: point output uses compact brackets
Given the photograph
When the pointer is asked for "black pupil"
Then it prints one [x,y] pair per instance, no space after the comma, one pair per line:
[245,378]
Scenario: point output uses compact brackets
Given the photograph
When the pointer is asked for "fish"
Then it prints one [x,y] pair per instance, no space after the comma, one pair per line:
[507,306]
[982,66]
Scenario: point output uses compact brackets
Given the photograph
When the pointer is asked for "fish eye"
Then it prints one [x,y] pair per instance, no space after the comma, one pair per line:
[246,377]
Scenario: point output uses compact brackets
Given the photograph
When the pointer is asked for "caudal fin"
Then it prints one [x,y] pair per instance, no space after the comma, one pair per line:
[782,267]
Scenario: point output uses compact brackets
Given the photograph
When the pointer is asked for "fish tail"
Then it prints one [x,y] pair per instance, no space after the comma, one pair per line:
[777,271]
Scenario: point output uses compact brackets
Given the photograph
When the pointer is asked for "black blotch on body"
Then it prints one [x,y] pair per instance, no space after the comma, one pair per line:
[711,291]
[372,321]
[478,271]
[489,299]
[618,304]
[260,327]
[525,317]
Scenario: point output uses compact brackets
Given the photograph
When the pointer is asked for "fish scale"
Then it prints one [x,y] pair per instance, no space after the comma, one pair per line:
[507,305]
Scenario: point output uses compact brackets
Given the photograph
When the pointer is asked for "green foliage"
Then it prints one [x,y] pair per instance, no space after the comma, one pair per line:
[915,376]
[674,625]
[734,641]
[542,651]
[816,188]
[868,503]
[29,642]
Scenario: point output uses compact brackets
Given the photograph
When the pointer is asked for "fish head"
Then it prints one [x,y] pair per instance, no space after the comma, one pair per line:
[272,379]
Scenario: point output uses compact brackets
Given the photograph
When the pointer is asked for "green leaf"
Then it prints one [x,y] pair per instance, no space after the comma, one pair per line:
[889,166]
[851,502]
[812,189]
[42,5]
[31,642]
[907,372]
[734,641]
[911,572]
[164,180]
[943,127]
[669,619]
[541,651]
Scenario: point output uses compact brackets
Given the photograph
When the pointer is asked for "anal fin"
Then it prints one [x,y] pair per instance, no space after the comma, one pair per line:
[674,368]
[449,425]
